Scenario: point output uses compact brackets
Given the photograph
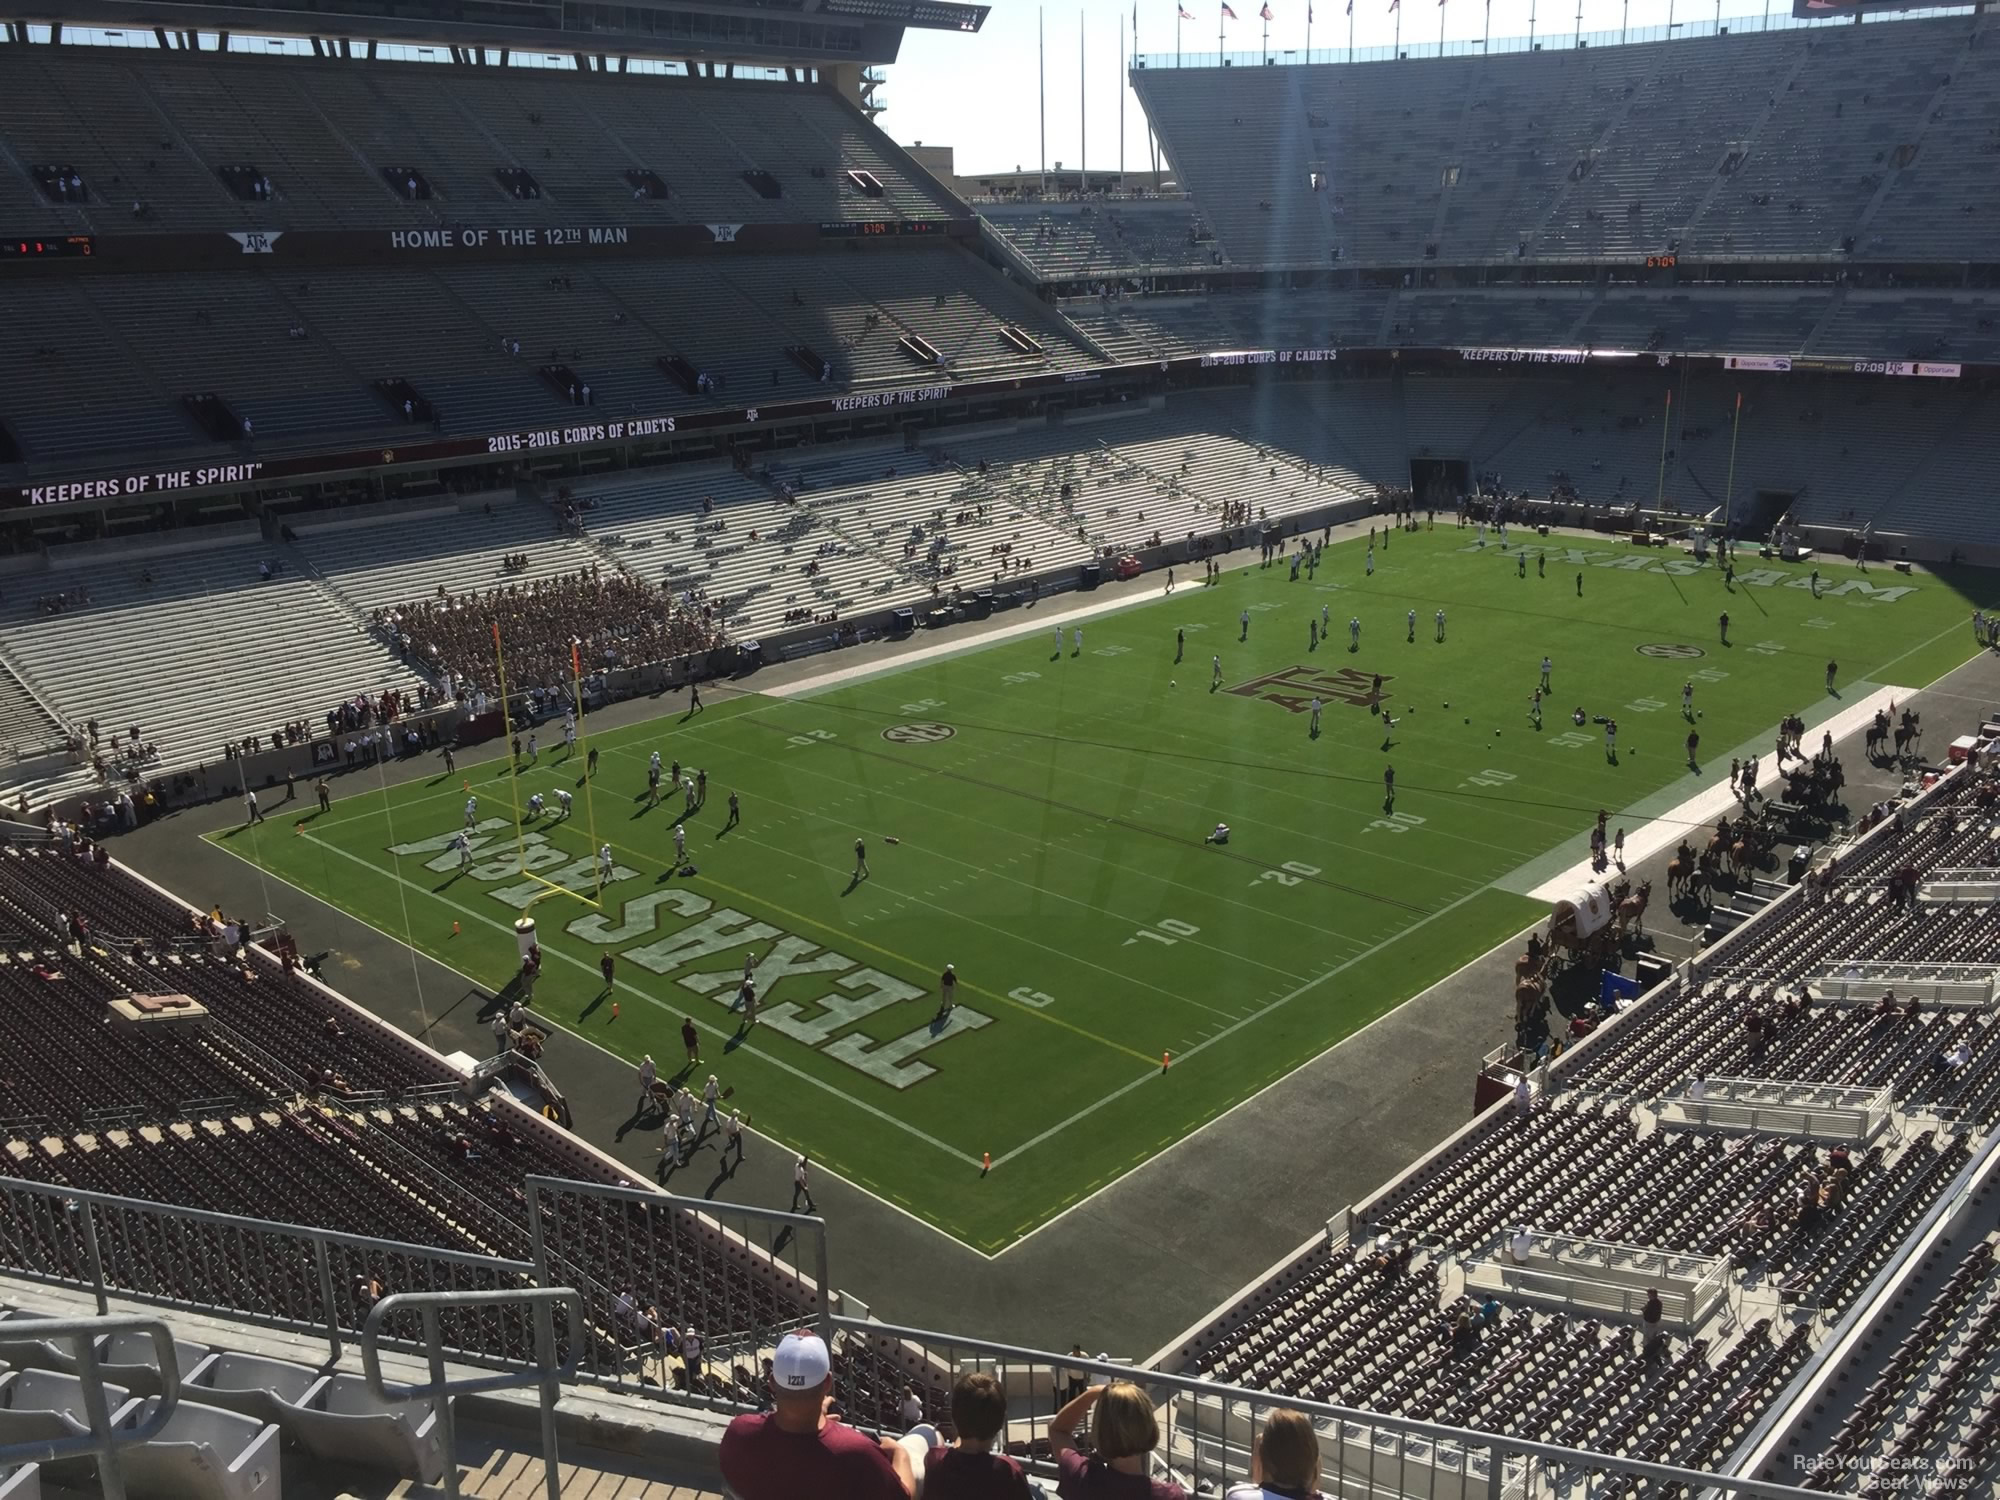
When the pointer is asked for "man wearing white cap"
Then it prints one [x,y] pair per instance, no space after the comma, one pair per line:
[801,1450]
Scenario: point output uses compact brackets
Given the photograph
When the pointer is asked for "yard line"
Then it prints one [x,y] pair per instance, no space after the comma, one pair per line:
[551,764]
[764,903]
[1242,773]
[1256,1015]
[589,968]
[1317,929]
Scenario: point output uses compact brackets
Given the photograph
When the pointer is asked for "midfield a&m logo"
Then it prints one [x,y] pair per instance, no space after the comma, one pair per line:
[1296,687]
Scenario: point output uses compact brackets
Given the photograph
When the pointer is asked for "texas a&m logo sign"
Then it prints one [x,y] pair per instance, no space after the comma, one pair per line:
[1296,687]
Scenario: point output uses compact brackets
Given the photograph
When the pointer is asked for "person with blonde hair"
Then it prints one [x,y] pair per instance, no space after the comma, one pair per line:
[1286,1466]
[1123,1435]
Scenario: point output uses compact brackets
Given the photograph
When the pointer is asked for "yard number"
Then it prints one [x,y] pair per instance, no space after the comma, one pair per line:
[1395,823]
[1035,998]
[1644,706]
[1575,739]
[811,737]
[1289,873]
[921,706]
[1167,930]
[1492,778]
[1015,679]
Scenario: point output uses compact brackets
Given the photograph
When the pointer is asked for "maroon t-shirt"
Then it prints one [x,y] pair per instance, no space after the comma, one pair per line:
[951,1474]
[1093,1479]
[762,1461]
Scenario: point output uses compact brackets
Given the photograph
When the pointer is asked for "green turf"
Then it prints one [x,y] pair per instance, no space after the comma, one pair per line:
[1052,848]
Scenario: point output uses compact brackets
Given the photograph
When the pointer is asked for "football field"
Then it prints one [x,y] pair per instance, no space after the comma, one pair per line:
[1039,818]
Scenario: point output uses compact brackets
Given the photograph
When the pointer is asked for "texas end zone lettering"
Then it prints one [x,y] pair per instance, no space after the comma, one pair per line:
[141,484]
[806,992]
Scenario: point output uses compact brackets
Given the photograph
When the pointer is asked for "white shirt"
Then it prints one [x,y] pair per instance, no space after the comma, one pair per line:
[1523,1246]
[911,1411]
[1255,1492]
[799,1173]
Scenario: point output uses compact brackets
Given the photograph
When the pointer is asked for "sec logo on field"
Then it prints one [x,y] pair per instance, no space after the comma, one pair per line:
[918,734]
[1673,651]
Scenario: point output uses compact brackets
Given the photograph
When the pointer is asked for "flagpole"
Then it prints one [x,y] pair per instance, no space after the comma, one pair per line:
[1122,54]
[1486,36]
[1042,43]
[1309,31]
[1397,49]
[1441,24]
[1177,37]
[1218,36]
[1266,58]
[1083,111]
[1041,27]
[1350,30]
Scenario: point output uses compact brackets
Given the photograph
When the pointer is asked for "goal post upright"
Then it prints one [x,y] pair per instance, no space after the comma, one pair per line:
[583,743]
[507,739]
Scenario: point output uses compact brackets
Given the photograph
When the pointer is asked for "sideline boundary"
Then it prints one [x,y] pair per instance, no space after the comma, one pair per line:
[1665,827]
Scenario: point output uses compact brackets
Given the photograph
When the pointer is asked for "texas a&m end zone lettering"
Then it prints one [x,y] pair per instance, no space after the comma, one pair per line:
[1295,687]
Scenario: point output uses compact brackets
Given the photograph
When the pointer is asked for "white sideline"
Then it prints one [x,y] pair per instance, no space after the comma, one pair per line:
[1043,619]
[1705,806]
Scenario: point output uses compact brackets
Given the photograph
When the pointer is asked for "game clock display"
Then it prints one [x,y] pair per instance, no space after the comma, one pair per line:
[31,247]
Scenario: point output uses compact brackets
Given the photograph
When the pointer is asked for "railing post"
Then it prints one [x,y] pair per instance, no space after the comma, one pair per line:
[447,1418]
[96,1259]
[325,1268]
[551,1392]
[110,1477]
[825,1286]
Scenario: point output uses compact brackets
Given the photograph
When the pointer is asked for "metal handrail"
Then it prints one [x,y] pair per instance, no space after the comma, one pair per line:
[548,1374]
[83,1207]
[103,1439]
[1499,1447]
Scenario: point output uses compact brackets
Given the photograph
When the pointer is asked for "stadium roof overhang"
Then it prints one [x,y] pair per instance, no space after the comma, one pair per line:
[774,32]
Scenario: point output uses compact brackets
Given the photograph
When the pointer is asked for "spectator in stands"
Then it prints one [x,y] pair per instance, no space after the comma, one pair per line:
[1123,1435]
[1286,1463]
[800,1449]
[970,1469]
[616,620]
[1651,1316]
